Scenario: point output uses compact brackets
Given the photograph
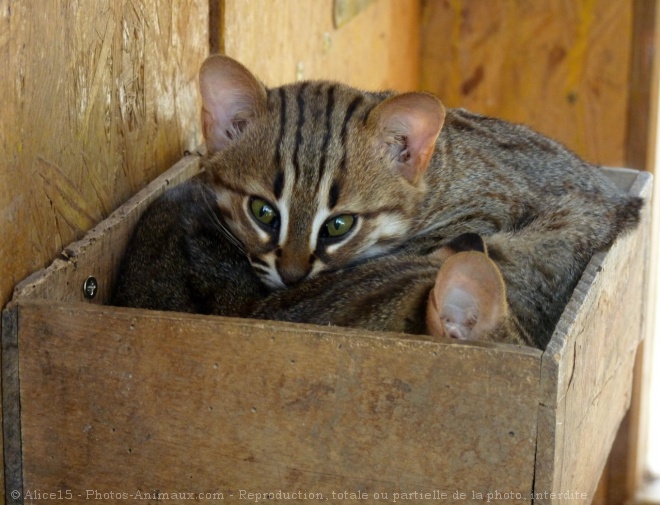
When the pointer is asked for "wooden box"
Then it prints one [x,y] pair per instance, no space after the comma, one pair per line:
[117,404]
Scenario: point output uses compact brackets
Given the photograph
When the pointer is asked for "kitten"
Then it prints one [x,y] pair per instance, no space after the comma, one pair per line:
[318,176]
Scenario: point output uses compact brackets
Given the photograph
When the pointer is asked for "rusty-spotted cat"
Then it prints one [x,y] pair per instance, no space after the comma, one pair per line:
[317,177]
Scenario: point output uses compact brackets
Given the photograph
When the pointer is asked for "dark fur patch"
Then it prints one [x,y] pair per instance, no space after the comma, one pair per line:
[467,242]
[496,255]
[329,108]
[334,195]
[278,184]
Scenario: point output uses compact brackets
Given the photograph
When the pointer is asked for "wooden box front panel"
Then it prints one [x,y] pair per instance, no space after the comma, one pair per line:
[131,400]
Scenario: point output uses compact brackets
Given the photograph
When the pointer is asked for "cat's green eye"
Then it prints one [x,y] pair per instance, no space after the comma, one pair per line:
[338,226]
[264,212]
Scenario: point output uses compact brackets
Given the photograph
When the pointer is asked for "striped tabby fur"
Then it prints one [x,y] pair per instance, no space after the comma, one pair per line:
[454,292]
[403,175]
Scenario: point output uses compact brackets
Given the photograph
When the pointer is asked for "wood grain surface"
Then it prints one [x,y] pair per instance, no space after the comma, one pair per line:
[560,66]
[98,99]
[126,400]
[291,40]
[100,251]
[587,377]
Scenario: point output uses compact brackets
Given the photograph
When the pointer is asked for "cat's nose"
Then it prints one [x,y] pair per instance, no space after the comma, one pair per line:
[292,274]
[293,265]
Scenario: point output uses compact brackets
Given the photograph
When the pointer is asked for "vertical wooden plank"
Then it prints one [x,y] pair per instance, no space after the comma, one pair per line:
[11,409]
[558,65]
[98,98]
[296,39]
[216,26]
[643,82]
[626,468]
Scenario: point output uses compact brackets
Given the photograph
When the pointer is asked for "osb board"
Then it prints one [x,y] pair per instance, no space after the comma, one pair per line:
[289,40]
[97,99]
[587,367]
[561,66]
[121,400]
[100,251]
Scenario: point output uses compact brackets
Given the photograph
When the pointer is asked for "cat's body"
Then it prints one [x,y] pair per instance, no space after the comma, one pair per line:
[180,260]
[454,292]
[542,210]
[316,177]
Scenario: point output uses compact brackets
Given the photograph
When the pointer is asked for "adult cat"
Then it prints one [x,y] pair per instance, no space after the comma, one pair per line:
[317,176]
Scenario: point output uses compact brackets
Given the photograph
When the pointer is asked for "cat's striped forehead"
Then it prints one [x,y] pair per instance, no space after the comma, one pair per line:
[313,121]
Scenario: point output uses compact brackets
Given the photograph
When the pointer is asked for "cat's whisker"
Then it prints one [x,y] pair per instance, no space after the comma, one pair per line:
[223,229]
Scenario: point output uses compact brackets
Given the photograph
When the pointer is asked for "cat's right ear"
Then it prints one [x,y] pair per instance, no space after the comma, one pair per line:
[469,298]
[231,98]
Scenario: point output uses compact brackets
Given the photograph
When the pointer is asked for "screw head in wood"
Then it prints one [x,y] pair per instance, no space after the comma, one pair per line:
[90,287]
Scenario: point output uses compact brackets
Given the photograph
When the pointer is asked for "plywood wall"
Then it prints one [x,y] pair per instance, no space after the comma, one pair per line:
[296,39]
[561,66]
[97,98]
[100,96]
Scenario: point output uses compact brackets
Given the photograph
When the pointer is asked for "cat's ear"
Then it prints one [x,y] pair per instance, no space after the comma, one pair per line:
[231,98]
[468,299]
[408,126]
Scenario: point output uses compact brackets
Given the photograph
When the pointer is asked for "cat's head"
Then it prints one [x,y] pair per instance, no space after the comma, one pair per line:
[317,175]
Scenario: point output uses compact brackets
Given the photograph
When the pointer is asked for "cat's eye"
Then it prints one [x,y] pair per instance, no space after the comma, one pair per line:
[338,226]
[264,212]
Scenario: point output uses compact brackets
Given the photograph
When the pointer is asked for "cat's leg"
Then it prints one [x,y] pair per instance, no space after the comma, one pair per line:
[541,264]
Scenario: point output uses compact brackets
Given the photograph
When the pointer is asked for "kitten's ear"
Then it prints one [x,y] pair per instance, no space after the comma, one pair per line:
[408,126]
[231,98]
[468,299]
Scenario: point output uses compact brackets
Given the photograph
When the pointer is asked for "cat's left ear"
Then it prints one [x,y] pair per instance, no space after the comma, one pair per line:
[408,126]
[231,98]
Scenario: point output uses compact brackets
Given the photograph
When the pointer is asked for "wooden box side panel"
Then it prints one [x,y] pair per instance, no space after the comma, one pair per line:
[100,252]
[132,400]
[587,367]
